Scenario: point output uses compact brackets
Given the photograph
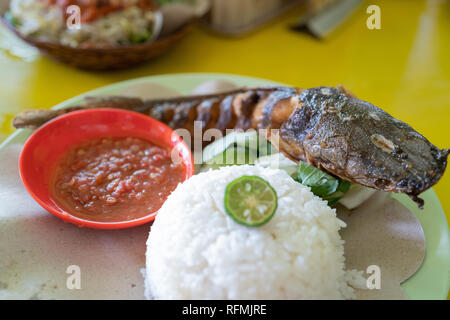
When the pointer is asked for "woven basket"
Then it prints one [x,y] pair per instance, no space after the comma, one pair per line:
[104,58]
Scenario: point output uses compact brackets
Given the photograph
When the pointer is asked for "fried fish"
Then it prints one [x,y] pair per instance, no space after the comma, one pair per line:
[325,126]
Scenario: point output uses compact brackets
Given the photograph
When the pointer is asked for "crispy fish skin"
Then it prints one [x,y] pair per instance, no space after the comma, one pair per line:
[165,110]
[327,127]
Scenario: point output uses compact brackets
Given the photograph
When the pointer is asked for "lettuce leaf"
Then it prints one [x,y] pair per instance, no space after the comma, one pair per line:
[322,184]
[236,148]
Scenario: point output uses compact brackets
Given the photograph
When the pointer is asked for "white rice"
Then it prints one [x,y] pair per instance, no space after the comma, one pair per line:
[196,251]
[46,23]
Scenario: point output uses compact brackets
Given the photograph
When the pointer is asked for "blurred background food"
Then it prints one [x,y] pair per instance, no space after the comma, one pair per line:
[108,34]
[104,24]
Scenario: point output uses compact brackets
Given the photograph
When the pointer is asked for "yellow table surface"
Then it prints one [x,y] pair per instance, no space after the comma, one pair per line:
[403,68]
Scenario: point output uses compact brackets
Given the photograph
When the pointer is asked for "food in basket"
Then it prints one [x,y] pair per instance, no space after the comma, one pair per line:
[103,23]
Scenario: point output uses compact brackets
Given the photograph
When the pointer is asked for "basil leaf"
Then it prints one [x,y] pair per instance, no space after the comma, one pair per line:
[344,186]
[327,187]
[321,183]
[333,201]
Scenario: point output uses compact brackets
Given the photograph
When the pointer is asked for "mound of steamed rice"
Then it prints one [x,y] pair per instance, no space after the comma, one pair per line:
[196,251]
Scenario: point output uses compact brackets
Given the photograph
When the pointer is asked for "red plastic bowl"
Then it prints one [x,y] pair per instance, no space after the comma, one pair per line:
[48,144]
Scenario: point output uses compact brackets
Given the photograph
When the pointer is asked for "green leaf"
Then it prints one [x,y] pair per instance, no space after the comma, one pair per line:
[344,186]
[140,38]
[321,183]
[327,187]
[164,2]
[244,147]
[233,155]
[333,201]
[12,20]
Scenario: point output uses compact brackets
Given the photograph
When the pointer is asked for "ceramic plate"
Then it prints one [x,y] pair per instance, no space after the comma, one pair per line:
[430,282]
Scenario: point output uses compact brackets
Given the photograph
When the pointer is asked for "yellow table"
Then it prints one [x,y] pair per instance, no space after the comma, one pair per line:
[404,67]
